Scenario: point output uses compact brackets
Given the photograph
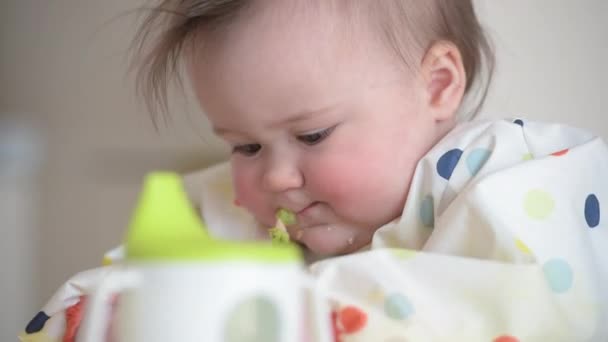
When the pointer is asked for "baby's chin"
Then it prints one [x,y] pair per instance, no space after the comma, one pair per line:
[326,240]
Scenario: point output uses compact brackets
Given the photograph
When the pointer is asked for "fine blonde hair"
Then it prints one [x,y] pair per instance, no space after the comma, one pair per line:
[170,26]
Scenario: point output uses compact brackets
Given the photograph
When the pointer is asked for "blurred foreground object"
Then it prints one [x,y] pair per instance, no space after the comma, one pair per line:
[20,162]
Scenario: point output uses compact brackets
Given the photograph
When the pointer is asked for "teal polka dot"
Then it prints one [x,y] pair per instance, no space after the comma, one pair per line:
[398,306]
[476,159]
[427,212]
[558,274]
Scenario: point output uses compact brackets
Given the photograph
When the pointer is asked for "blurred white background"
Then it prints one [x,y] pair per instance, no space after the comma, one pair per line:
[74,144]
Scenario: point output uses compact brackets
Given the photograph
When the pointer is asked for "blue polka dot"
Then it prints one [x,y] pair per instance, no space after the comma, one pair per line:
[447,163]
[398,306]
[518,122]
[558,274]
[476,159]
[592,211]
[37,323]
[427,212]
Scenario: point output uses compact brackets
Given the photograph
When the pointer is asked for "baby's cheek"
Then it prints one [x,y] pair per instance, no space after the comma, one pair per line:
[357,191]
[247,193]
[338,182]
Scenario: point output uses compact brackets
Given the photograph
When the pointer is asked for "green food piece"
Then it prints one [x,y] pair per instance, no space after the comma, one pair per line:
[278,235]
[287,217]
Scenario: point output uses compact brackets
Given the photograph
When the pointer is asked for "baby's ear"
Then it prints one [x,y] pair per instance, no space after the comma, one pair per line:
[444,78]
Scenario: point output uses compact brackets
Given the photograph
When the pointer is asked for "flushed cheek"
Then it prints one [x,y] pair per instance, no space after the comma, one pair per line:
[336,185]
[249,194]
[362,192]
[343,184]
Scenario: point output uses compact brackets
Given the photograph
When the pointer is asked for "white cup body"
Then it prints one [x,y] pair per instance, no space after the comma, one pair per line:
[220,301]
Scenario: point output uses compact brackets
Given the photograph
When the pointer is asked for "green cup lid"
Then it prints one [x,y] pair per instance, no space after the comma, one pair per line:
[215,250]
[166,227]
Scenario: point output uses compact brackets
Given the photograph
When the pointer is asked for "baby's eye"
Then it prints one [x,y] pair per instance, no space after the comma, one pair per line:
[248,150]
[316,137]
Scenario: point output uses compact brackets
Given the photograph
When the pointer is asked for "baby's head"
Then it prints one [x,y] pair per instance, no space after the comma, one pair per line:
[328,104]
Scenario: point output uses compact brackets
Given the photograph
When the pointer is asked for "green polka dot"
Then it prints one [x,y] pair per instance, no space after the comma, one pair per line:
[527,156]
[398,306]
[253,320]
[538,204]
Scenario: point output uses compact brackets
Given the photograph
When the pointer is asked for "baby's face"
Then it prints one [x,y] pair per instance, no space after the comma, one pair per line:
[324,122]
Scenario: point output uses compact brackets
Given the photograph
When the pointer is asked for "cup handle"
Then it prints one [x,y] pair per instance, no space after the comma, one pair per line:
[95,321]
[319,310]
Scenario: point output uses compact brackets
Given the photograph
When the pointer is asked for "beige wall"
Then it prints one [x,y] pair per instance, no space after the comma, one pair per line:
[552,60]
[63,65]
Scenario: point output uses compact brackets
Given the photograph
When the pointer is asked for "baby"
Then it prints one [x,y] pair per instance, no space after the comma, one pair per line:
[354,116]
[328,106]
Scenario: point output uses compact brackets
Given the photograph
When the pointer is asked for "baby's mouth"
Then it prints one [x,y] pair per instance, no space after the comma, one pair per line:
[304,213]
[295,223]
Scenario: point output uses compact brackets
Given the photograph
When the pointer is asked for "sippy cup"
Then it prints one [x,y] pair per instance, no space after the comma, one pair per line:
[179,284]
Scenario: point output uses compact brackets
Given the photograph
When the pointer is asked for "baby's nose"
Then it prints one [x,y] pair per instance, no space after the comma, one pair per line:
[282,176]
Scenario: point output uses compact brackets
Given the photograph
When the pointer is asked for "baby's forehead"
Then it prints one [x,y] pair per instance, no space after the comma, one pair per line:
[288,58]
[296,41]
[258,63]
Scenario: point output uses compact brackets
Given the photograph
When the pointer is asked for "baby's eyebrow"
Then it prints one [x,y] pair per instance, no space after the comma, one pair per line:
[304,115]
[225,132]
[219,130]
[290,119]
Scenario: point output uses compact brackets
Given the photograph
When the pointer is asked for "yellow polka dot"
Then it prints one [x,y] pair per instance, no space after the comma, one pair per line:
[403,254]
[527,156]
[538,204]
[522,246]
[35,337]
[107,261]
[376,296]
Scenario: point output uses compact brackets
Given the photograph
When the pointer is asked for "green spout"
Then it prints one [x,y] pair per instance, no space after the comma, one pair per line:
[163,218]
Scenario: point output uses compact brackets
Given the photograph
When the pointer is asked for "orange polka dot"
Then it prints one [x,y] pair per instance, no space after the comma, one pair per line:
[73,317]
[506,338]
[560,153]
[352,319]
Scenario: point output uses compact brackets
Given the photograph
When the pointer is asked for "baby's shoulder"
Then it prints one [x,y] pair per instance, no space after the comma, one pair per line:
[211,191]
[214,180]
[498,144]
[540,138]
[503,151]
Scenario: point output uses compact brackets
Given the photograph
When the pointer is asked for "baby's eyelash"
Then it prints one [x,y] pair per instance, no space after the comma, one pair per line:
[248,150]
[315,137]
